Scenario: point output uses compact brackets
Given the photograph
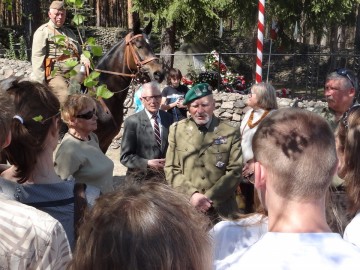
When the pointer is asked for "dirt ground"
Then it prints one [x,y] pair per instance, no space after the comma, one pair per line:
[119,169]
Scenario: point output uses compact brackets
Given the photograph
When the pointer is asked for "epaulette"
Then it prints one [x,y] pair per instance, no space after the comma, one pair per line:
[227,123]
[42,27]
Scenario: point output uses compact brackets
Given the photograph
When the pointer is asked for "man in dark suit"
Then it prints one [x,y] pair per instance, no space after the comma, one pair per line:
[145,138]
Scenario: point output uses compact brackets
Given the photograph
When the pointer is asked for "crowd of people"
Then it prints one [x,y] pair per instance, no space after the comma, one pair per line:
[177,207]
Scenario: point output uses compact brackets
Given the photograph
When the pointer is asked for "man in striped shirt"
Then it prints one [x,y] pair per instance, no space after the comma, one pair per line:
[29,238]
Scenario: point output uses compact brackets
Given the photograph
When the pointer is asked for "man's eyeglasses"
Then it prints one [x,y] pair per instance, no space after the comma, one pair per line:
[345,73]
[151,97]
[347,113]
[87,115]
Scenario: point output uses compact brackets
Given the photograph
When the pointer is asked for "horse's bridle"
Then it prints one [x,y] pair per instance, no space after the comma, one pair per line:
[137,60]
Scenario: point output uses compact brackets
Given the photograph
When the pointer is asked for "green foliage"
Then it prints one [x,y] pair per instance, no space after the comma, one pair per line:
[89,49]
[10,53]
[38,118]
[104,92]
[23,52]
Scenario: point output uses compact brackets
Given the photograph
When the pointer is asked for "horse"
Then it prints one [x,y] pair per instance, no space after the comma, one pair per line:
[131,57]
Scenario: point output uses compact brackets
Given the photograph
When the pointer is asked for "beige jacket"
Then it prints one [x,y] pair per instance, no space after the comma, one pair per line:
[42,34]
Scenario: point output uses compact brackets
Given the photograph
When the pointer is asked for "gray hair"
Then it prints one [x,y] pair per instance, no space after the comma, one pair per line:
[347,82]
[266,95]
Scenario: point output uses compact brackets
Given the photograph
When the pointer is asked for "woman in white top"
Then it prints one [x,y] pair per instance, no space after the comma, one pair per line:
[261,100]
[237,236]
[348,149]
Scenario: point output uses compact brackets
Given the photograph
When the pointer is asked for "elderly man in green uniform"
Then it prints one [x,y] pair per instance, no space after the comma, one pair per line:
[47,55]
[203,159]
[341,87]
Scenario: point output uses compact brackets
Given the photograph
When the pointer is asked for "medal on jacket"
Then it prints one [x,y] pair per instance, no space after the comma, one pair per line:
[219,162]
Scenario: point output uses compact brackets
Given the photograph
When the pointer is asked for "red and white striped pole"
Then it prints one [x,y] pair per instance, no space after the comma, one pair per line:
[260,41]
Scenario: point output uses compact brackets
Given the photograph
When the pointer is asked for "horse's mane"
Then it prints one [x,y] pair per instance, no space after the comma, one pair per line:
[104,59]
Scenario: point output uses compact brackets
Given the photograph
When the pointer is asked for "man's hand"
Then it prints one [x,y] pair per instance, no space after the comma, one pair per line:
[200,202]
[156,163]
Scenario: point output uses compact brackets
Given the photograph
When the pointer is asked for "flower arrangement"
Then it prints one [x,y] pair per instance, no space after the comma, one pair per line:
[215,70]
[212,62]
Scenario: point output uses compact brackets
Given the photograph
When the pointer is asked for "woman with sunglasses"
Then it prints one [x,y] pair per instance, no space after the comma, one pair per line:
[79,153]
[348,149]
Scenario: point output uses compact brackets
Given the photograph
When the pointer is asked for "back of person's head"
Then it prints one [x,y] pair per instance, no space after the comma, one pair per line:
[266,95]
[6,115]
[143,226]
[35,109]
[348,146]
[297,147]
[74,104]
[174,73]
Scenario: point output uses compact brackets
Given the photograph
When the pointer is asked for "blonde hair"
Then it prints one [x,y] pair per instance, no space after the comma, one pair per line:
[298,149]
[74,104]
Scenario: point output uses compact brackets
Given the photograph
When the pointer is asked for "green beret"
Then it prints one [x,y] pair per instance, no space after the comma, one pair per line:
[197,91]
[57,5]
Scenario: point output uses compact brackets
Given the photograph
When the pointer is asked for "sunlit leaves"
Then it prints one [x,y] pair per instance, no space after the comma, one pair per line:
[38,118]
[104,92]
[78,19]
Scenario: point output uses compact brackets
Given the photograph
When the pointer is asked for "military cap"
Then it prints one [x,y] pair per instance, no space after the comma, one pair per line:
[57,5]
[197,91]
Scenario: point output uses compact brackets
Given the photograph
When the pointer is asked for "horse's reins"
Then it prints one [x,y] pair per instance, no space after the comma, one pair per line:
[139,64]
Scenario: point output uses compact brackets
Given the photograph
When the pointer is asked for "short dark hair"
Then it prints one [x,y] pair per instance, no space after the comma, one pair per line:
[144,225]
[174,73]
[298,148]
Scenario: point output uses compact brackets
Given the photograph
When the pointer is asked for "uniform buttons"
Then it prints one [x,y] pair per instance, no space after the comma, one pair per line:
[202,165]
[202,177]
[186,149]
[203,190]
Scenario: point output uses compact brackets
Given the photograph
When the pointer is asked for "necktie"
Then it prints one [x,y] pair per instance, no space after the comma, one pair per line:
[156,130]
[203,129]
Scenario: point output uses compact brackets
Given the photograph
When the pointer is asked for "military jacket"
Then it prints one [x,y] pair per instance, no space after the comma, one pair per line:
[40,49]
[329,116]
[210,164]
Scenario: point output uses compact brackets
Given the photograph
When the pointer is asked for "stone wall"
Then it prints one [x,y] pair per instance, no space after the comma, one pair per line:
[229,106]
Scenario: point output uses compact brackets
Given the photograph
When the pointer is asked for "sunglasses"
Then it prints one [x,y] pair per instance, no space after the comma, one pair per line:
[347,113]
[87,115]
[152,97]
[345,73]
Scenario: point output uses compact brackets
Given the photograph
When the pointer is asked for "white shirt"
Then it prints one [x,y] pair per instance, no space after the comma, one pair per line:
[30,238]
[247,133]
[231,237]
[352,231]
[299,251]
[150,115]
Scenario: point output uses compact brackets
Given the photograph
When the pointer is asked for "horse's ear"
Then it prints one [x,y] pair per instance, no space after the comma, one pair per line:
[148,28]
[136,27]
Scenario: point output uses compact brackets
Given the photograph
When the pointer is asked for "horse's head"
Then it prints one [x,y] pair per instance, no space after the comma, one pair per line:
[142,55]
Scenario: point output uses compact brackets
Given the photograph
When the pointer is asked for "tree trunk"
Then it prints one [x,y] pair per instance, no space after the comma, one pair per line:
[333,45]
[31,19]
[168,46]
[357,31]
[130,17]
[98,14]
